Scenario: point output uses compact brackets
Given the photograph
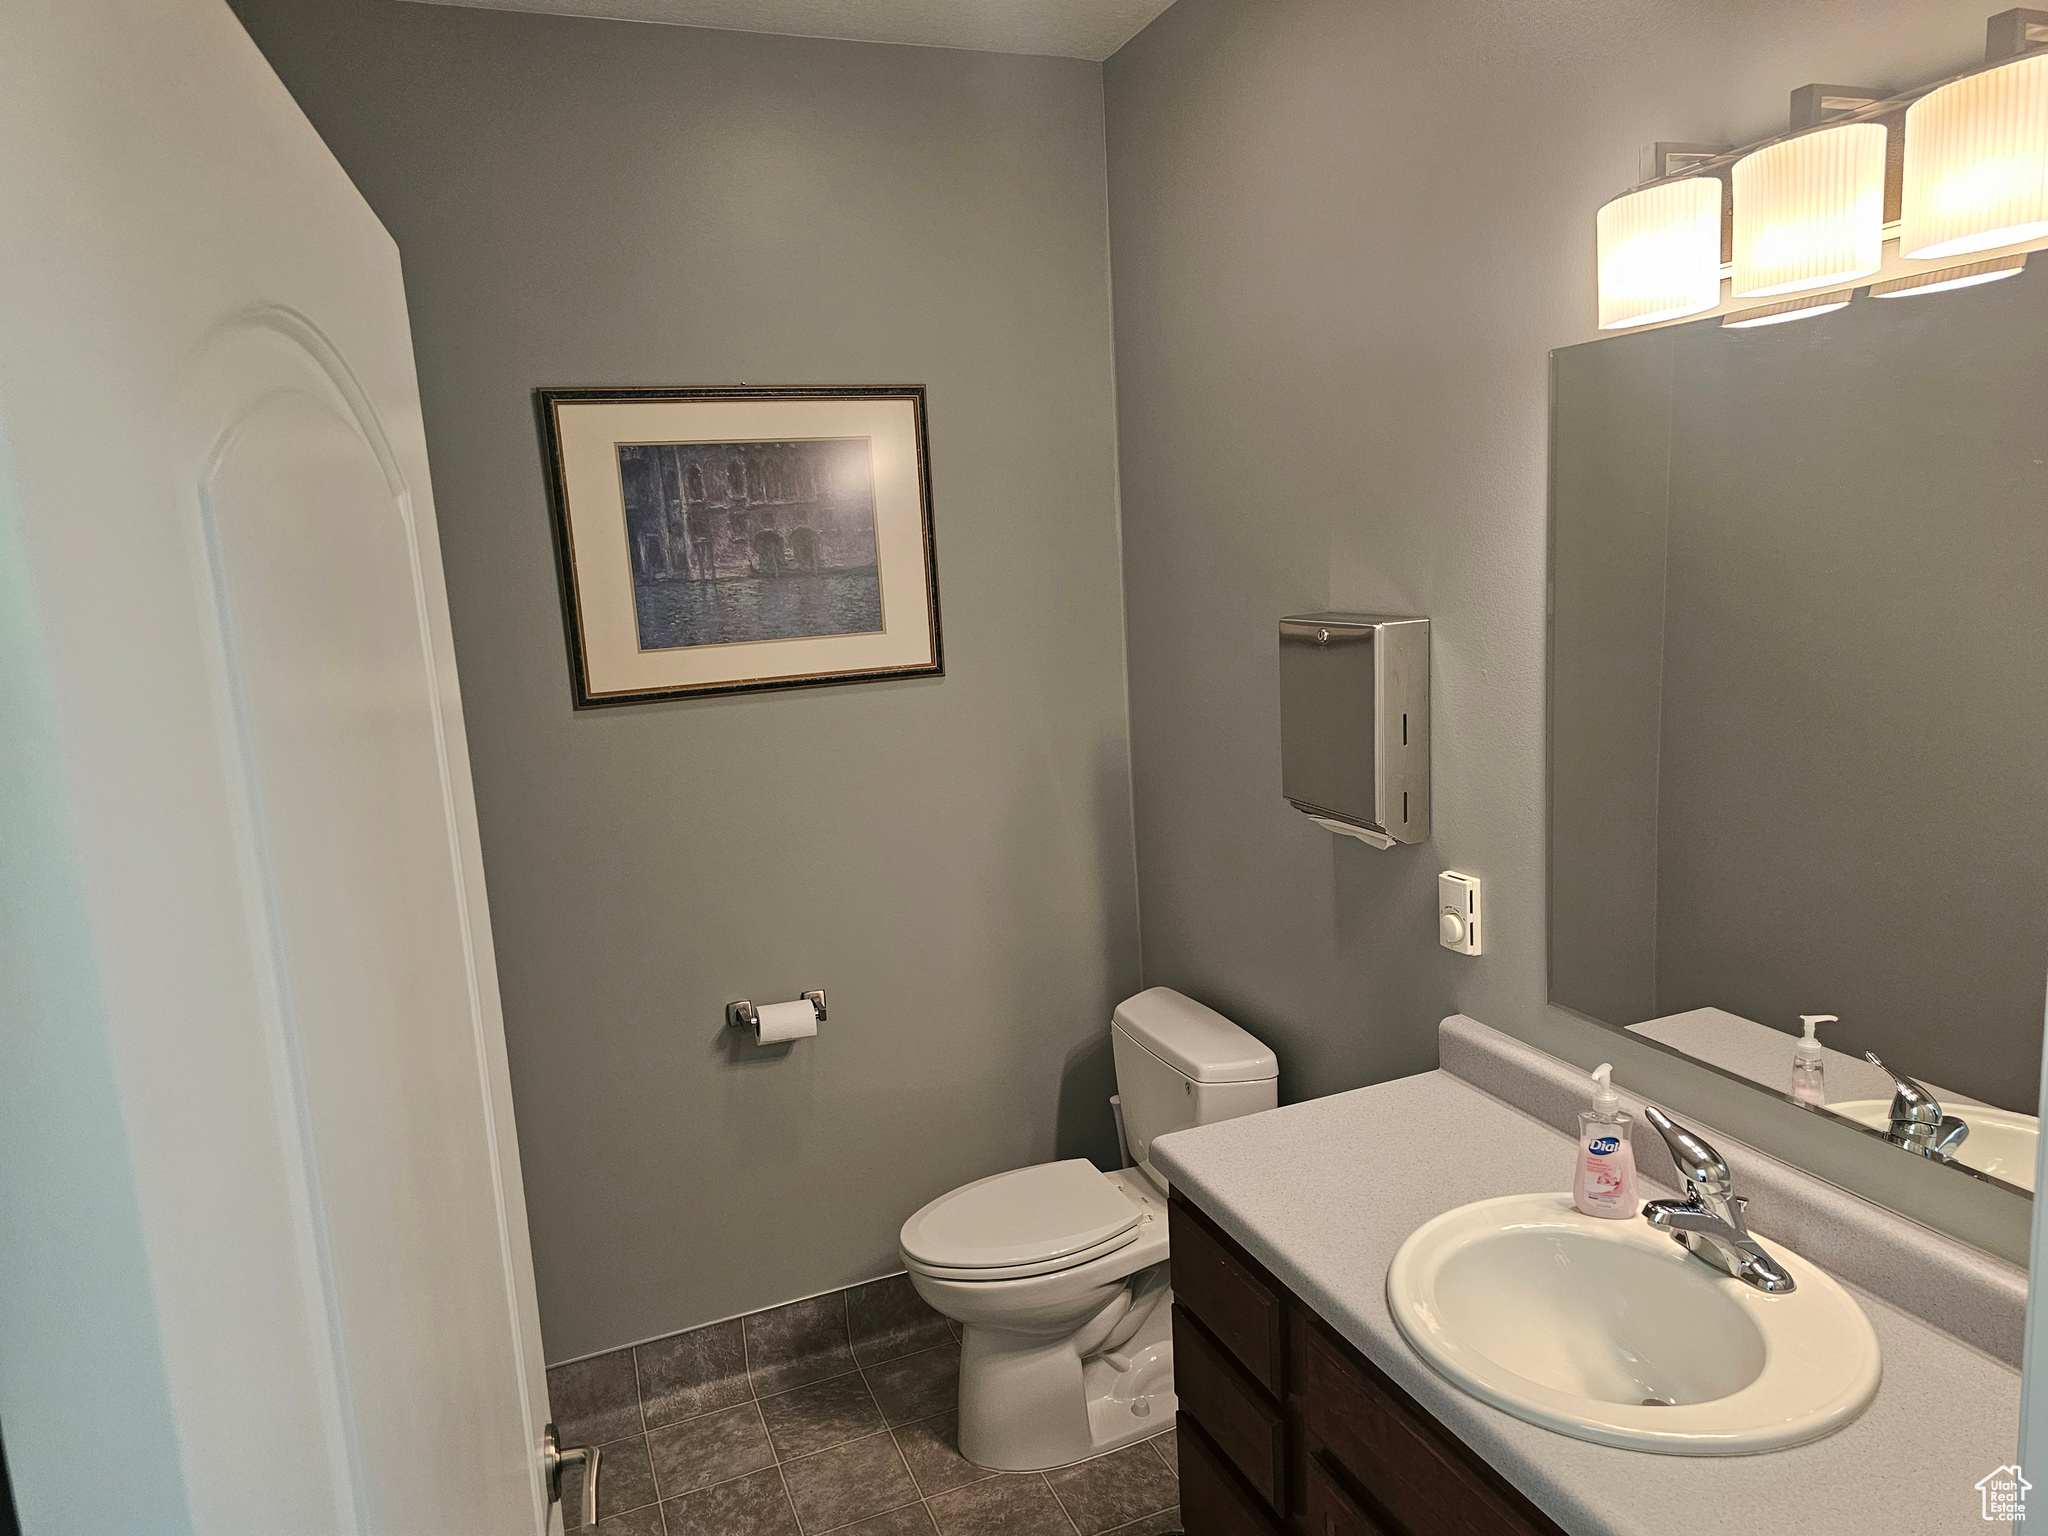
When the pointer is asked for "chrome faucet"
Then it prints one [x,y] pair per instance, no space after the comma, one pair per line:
[1918,1123]
[1708,1222]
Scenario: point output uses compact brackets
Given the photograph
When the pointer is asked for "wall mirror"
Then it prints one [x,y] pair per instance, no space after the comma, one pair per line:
[1799,700]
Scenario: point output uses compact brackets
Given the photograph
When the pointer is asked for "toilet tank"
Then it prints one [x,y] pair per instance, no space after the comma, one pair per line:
[1179,1064]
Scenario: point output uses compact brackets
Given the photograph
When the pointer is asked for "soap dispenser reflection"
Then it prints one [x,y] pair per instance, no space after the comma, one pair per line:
[1808,1084]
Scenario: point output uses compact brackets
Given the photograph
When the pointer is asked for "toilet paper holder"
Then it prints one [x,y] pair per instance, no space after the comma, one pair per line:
[744,1015]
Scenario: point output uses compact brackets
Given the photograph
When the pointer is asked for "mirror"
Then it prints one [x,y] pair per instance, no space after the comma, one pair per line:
[1799,699]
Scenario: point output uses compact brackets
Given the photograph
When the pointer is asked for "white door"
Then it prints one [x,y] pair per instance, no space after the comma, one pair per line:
[263,1247]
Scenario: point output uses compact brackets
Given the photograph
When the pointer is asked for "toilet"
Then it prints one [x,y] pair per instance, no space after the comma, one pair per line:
[1057,1273]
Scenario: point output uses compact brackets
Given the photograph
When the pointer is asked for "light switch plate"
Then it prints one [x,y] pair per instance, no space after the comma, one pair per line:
[1457,916]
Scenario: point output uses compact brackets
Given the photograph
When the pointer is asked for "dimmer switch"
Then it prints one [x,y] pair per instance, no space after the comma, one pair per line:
[1457,916]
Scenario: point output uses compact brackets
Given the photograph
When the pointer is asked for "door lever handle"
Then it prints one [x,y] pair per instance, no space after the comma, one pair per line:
[553,1458]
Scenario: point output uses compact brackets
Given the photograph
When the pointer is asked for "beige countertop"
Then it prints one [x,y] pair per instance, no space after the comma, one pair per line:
[1323,1193]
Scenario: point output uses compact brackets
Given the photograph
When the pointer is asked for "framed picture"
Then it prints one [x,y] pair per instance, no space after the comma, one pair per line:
[722,540]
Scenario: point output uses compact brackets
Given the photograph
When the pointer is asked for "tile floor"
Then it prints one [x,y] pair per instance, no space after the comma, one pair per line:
[835,1414]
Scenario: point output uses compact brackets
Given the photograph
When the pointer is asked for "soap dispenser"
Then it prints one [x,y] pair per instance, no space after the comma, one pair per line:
[1605,1182]
[1807,1061]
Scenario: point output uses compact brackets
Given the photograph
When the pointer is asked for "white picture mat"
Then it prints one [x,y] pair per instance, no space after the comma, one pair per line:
[590,432]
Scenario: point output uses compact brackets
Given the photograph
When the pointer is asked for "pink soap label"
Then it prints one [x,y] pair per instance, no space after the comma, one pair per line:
[1603,1180]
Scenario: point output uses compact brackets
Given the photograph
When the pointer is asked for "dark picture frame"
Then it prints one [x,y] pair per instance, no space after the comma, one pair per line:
[693,523]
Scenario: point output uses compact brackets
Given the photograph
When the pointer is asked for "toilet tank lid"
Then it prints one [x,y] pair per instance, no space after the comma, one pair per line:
[1197,1042]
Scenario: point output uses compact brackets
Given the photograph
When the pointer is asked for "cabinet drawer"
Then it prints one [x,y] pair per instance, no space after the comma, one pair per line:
[1235,1302]
[1332,1511]
[1401,1457]
[1212,1501]
[1249,1431]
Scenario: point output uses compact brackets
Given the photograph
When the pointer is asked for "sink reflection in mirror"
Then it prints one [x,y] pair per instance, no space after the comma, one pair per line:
[1799,702]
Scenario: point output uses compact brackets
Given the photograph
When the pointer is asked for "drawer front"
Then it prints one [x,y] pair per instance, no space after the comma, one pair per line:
[1212,1501]
[1332,1511]
[1401,1459]
[1238,1307]
[1244,1425]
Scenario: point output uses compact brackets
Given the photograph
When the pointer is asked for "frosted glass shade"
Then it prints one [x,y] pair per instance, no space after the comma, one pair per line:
[1949,279]
[1660,253]
[1977,163]
[1809,212]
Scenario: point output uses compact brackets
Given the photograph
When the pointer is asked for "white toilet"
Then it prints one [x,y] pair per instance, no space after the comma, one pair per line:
[1057,1273]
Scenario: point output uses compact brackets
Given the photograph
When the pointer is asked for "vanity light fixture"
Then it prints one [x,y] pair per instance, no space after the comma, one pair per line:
[1948,169]
[1660,253]
[1976,173]
[1809,211]
[1805,307]
[1949,278]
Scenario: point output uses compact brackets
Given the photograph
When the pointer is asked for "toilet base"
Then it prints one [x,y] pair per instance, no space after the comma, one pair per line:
[1027,1406]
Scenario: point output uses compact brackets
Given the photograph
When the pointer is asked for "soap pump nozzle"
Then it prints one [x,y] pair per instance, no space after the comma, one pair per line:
[1807,1047]
[1604,1096]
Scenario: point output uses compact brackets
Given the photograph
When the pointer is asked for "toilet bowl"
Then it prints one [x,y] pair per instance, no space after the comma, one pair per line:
[1057,1272]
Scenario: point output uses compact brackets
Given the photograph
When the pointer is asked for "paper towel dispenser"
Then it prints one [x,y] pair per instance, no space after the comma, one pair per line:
[1354,723]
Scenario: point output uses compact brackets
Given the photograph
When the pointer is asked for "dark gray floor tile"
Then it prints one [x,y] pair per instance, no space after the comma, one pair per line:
[910,1520]
[1168,1446]
[596,1400]
[798,1344]
[917,1386]
[816,1418]
[1116,1489]
[625,1480]
[931,1449]
[1014,1504]
[746,1506]
[710,1448]
[690,1373]
[851,1482]
[887,1318]
[641,1522]
[1165,1523]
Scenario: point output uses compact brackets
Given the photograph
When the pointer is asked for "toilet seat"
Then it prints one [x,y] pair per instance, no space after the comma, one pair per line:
[1029,1221]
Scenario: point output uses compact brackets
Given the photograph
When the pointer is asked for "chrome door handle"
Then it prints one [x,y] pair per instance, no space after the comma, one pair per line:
[553,1458]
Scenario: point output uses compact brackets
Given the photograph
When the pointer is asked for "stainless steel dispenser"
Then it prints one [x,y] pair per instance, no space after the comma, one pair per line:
[1354,723]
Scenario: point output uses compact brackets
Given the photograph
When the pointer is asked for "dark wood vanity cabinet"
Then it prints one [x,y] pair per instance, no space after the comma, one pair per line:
[1286,1430]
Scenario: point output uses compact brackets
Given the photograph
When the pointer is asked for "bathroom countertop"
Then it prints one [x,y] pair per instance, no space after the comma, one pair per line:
[1324,1192]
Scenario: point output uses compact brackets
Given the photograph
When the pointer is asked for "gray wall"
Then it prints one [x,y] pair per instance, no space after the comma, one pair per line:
[586,202]
[1346,235]
[1854,813]
[1610,474]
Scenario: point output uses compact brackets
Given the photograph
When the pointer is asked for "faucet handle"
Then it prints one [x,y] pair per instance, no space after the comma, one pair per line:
[1911,1104]
[1698,1163]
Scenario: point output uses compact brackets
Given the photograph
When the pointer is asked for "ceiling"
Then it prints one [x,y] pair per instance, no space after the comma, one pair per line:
[1074,29]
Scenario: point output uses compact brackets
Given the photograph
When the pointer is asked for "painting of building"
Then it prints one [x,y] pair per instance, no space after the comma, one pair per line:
[739,542]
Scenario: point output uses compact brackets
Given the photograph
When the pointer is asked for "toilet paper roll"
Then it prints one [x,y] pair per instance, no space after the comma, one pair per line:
[787,1021]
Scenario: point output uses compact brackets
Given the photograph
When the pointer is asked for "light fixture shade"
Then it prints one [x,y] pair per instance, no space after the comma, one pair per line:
[1809,212]
[1805,307]
[1977,163]
[1660,253]
[1949,279]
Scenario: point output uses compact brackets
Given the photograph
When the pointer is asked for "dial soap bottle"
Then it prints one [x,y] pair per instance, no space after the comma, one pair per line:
[1605,1183]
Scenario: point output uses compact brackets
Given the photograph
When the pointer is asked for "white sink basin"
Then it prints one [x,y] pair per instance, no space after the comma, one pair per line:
[1609,1331]
[2001,1141]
